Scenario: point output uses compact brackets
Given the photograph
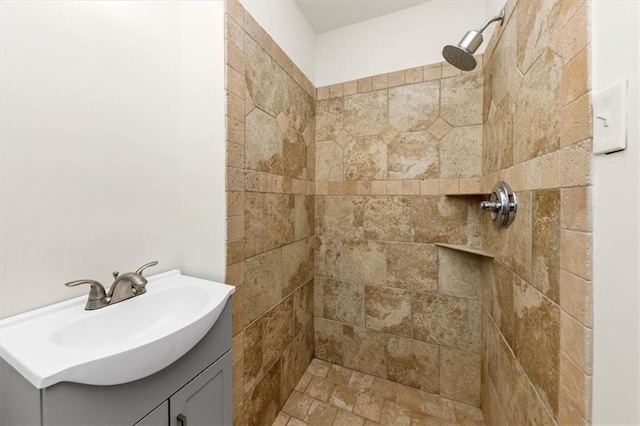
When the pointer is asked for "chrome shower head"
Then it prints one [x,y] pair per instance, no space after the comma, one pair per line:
[461,56]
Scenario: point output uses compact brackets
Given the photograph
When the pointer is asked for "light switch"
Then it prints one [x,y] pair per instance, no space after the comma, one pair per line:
[610,119]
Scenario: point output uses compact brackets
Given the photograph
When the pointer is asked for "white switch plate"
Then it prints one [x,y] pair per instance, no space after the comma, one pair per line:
[610,119]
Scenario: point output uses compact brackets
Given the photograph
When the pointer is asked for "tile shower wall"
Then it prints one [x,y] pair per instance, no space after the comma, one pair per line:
[537,293]
[270,217]
[388,302]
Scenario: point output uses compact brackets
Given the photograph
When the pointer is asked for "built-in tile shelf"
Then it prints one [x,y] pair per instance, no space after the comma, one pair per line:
[467,194]
[466,249]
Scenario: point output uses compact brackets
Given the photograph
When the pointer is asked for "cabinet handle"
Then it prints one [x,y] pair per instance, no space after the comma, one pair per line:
[182,420]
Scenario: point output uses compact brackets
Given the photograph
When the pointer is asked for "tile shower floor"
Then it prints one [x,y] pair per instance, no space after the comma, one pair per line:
[328,394]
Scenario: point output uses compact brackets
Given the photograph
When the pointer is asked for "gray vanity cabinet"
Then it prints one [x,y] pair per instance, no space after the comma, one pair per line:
[203,401]
[197,386]
[158,417]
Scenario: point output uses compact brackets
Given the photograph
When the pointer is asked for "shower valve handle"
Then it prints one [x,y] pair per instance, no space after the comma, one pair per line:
[490,206]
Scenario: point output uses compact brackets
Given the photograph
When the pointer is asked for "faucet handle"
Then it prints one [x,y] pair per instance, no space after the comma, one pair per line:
[145,266]
[97,295]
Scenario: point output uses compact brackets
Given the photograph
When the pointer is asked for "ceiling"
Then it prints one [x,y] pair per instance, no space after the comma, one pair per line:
[326,15]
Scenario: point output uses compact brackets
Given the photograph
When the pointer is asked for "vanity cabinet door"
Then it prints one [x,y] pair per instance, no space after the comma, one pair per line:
[206,400]
[158,417]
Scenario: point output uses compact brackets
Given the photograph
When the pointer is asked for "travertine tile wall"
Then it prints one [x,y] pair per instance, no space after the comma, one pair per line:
[388,302]
[537,320]
[270,217]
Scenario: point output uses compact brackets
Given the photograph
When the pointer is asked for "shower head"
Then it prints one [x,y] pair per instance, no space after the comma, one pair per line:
[461,56]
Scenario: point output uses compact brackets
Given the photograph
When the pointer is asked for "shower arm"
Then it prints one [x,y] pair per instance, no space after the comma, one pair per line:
[489,21]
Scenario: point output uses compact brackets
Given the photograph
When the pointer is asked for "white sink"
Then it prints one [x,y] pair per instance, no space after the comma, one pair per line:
[115,344]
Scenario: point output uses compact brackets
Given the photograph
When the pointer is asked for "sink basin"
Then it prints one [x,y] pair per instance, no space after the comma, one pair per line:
[115,344]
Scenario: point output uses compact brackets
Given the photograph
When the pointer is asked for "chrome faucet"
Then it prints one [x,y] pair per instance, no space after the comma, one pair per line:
[124,287]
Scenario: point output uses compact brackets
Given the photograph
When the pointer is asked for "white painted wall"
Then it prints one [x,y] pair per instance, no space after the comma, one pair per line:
[616,380]
[112,143]
[400,40]
[284,21]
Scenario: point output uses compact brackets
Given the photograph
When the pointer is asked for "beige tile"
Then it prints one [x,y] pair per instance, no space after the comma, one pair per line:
[341,216]
[394,187]
[439,220]
[537,340]
[413,363]
[546,243]
[346,418]
[387,218]
[568,414]
[575,78]
[394,414]
[498,137]
[537,412]
[343,397]
[380,81]
[295,422]
[385,389]
[396,78]
[318,368]
[350,87]
[469,185]
[267,84]
[336,90]
[329,118]
[364,350]
[364,261]
[439,128]
[444,320]
[460,376]
[576,297]
[575,386]
[449,186]
[296,265]
[343,301]
[320,414]
[461,100]
[539,97]
[535,22]
[576,209]
[368,407]
[263,143]
[387,310]
[413,156]
[235,228]
[432,72]
[304,381]
[414,108]
[449,70]
[263,282]
[320,388]
[575,33]
[322,93]
[365,114]
[412,266]
[413,75]
[361,382]
[365,158]
[365,85]
[328,340]
[459,274]
[264,341]
[468,414]
[378,187]
[329,157]
[297,405]
[576,341]
[328,255]
[576,253]
[429,187]
[339,375]
[576,121]
[281,420]
[576,164]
